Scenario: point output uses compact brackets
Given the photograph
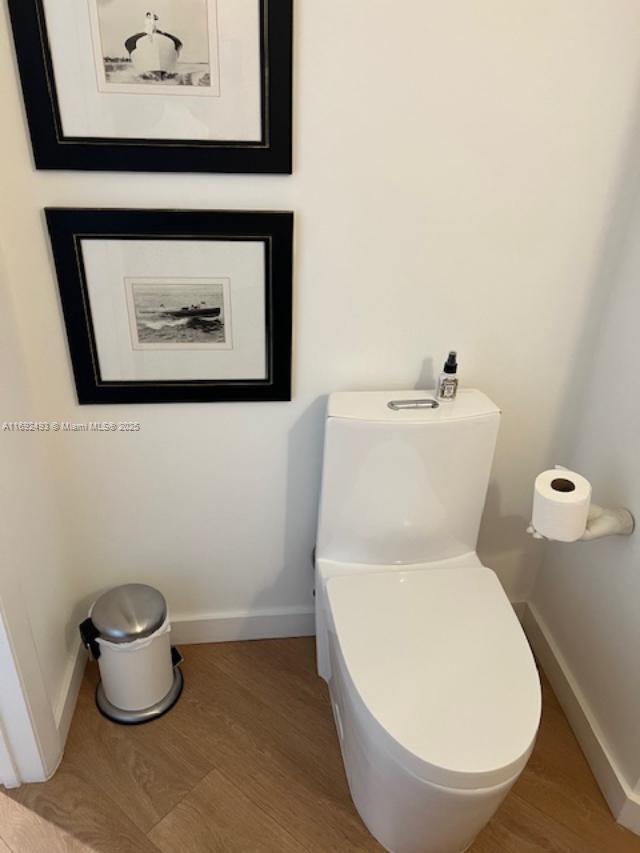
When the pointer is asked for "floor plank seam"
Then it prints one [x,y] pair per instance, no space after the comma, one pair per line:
[180,801]
[4,841]
[266,813]
[303,732]
[259,808]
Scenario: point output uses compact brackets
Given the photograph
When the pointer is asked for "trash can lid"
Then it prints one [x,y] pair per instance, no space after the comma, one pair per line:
[129,612]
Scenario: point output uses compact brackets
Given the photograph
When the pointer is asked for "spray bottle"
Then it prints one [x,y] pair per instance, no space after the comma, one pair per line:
[448,381]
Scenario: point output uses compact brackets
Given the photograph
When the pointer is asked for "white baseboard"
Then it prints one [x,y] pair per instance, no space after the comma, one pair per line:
[9,777]
[243,625]
[63,712]
[622,800]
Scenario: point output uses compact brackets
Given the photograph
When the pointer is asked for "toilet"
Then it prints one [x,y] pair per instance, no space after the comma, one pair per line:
[434,690]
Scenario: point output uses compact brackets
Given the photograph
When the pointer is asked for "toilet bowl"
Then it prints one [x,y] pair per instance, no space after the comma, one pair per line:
[434,689]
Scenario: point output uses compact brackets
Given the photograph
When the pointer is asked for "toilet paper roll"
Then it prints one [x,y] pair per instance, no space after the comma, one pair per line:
[561,501]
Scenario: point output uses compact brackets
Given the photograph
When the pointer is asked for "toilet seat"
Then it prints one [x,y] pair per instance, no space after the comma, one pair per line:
[470,718]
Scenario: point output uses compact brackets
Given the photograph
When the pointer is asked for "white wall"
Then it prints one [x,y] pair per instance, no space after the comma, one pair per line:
[455,164]
[587,595]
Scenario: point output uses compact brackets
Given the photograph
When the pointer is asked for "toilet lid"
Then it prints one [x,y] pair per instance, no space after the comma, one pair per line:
[439,670]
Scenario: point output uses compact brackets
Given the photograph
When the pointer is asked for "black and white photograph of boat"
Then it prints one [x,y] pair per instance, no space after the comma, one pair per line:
[169,45]
[179,313]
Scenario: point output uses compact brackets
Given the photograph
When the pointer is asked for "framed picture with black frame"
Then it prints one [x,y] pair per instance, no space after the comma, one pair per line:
[157,85]
[165,306]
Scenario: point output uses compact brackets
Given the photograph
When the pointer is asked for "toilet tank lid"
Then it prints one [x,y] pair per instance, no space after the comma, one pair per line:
[374,406]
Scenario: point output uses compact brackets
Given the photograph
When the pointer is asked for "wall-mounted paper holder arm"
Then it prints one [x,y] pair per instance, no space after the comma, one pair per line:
[601,522]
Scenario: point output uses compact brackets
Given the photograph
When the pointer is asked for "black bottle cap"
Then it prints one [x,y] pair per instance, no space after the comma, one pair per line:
[451,365]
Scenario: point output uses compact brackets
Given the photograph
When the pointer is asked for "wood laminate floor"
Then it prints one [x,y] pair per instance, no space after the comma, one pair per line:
[248,762]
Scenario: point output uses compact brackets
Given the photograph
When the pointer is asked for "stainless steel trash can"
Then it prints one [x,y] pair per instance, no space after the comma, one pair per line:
[128,633]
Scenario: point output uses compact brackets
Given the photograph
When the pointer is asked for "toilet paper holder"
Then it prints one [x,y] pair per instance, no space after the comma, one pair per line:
[601,521]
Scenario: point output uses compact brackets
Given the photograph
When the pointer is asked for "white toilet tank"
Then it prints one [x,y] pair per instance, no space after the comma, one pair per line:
[404,484]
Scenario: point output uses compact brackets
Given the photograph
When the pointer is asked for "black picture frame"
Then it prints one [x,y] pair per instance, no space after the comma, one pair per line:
[53,150]
[68,226]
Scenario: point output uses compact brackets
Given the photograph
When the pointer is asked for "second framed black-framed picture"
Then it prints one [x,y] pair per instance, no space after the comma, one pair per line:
[166,306]
[157,85]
